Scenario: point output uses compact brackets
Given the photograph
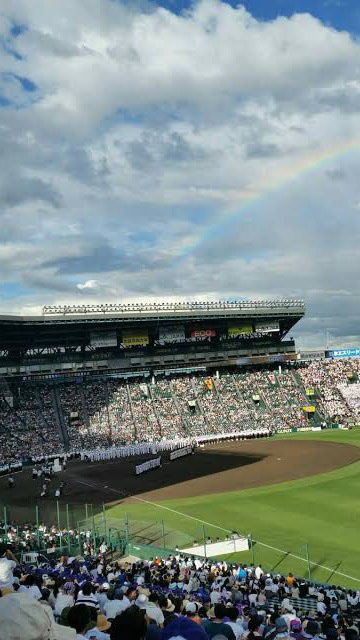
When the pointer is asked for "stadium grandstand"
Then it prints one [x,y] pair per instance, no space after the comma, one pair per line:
[80,378]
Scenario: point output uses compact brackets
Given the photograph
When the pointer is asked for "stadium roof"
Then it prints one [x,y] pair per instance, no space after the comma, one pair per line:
[164,310]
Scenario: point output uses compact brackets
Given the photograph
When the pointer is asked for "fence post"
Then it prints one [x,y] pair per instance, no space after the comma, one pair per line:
[80,549]
[58,521]
[86,513]
[163,533]
[252,548]
[104,521]
[93,529]
[127,528]
[68,527]
[204,537]
[5,522]
[308,561]
[37,527]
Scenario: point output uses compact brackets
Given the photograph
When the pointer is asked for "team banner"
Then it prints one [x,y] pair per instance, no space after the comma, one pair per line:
[135,339]
[240,330]
[172,334]
[100,340]
[208,383]
[203,333]
[309,408]
[179,453]
[144,389]
[10,468]
[271,326]
[310,392]
[145,466]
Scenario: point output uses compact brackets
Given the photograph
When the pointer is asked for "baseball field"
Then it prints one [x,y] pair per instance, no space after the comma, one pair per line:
[298,495]
[316,517]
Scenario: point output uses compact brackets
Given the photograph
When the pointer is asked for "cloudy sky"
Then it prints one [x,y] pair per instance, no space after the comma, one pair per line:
[186,150]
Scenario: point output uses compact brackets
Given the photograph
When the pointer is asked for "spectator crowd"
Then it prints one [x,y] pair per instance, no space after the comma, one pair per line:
[91,597]
[49,419]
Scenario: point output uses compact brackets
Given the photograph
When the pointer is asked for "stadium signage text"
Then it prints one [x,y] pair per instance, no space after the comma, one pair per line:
[100,340]
[171,334]
[203,333]
[240,330]
[352,352]
[267,327]
[141,338]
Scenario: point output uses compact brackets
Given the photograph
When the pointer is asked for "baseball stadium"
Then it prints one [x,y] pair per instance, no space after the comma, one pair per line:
[193,428]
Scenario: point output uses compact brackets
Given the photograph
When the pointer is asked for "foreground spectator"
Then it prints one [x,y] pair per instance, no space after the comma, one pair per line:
[23,618]
[129,625]
[79,619]
[215,624]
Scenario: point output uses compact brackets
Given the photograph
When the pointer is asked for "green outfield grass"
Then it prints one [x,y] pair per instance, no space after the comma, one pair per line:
[321,511]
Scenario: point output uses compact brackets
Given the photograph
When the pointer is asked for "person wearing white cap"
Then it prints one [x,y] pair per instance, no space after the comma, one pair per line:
[191,611]
[23,618]
[152,610]
[287,611]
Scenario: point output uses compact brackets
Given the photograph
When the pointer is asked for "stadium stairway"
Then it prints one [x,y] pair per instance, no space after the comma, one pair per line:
[60,418]
[186,423]
[319,417]
[132,410]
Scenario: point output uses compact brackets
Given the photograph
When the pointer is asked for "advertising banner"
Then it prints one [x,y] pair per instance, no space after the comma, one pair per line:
[310,392]
[276,357]
[270,326]
[172,334]
[240,329]
[352,352]
[309,408]
[203,333]
[101,339]
[135,338]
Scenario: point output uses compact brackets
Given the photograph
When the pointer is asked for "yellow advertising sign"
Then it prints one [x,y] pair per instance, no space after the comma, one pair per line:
[240,329]
[309,408]
[140,338]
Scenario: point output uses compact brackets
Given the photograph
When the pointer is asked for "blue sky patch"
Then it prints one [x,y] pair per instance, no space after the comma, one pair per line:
[9,290]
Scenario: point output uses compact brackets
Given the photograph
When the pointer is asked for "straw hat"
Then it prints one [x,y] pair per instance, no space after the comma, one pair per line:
[102,623]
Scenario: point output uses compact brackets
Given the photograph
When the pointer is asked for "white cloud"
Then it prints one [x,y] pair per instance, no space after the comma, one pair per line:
[89,284]
[165,155]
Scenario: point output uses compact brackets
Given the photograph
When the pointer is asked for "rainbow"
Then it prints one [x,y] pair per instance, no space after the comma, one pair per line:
[302,167]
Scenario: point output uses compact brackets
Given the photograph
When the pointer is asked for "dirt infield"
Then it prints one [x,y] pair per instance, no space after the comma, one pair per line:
[214,469]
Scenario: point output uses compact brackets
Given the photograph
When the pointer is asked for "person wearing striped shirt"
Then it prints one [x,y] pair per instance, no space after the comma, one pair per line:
[87,597]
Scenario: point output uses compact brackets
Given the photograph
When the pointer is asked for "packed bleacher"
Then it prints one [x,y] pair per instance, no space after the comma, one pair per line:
[49,419]
[177,596]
